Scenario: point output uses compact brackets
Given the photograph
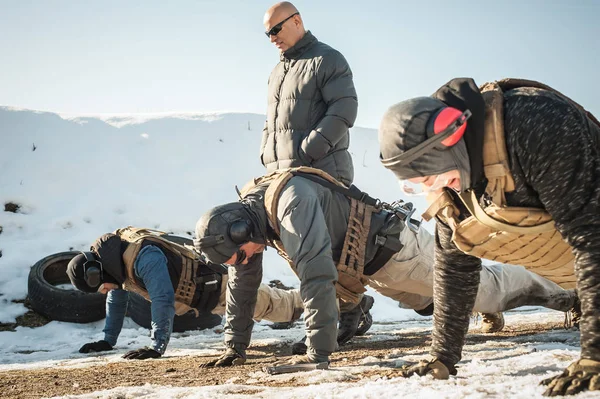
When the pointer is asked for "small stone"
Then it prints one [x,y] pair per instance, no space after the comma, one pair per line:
[170,370]
[11,207]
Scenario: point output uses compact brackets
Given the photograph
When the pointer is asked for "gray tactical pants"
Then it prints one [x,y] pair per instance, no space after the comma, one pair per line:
[408,278]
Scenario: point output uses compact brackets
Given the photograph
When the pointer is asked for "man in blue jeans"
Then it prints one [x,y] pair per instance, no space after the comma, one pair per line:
[168,274]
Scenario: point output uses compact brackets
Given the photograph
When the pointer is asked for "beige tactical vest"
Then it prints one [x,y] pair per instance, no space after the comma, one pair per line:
[351,281]
[495,231]
[186,287]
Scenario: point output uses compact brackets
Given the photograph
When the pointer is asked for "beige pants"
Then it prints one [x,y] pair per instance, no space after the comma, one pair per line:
[272,304]
[408,278]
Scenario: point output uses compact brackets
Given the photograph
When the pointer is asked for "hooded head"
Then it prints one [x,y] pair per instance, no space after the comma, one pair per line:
[221,231]
[87,273]
[408,125]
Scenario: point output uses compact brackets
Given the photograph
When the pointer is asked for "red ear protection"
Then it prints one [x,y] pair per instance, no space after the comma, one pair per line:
[444,118]
[446,126]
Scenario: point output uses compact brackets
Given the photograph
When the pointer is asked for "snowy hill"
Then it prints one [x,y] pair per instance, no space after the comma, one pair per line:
[76,178]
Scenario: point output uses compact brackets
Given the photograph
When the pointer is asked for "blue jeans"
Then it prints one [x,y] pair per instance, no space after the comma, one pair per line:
[151,268]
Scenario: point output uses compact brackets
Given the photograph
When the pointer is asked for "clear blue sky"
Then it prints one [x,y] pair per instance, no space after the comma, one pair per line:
[157,56]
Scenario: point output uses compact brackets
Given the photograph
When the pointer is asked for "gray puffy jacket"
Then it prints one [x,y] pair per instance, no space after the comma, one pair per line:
[311,105]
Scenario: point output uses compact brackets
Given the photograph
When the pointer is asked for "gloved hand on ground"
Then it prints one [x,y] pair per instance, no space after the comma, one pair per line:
[233,356]
[142,353]
[98,346]
[436,368]
[582,375]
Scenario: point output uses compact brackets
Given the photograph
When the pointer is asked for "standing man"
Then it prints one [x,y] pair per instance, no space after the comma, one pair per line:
[512,172]
[311,100]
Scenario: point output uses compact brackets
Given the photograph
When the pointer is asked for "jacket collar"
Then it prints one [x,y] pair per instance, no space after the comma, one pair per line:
[294,52]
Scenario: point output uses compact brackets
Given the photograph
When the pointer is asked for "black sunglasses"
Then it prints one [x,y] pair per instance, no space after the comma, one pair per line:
[277,28]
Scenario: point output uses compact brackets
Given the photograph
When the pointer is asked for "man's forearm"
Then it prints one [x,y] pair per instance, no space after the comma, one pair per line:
[455,282]
[242,289]
[163,314]
[331,129]
[116,308]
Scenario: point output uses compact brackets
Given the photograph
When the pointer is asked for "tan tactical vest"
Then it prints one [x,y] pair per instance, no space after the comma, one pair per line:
[351,281]
[186,287]
[495,231]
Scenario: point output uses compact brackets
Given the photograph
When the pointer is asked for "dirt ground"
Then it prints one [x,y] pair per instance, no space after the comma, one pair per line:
[186,371]
[29,319]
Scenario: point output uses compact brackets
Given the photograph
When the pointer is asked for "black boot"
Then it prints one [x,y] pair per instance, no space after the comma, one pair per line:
[350,320]
[282,325]
[492,322]
[352,323]
[299,348]
[365,323]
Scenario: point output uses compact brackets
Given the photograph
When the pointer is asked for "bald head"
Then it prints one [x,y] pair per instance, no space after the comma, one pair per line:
[284,23]
[280,10]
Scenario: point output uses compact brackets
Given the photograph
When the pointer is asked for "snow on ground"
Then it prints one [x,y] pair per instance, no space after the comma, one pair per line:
[76,178]
[507,368]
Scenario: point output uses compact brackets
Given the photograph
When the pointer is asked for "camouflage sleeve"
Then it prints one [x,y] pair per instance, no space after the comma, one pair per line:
[455,283]
[334,78]
[557,149]
[242,289]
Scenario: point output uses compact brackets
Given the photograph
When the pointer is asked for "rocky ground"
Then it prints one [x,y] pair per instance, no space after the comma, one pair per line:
[186,370]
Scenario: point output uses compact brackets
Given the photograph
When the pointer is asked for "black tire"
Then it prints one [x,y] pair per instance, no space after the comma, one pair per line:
[140,312]
[73,306]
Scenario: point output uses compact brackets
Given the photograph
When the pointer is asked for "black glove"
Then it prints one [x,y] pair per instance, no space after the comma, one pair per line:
[581,375]
[143,353]
[98,346]
[231,357]
[435,367]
